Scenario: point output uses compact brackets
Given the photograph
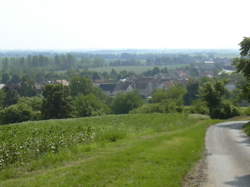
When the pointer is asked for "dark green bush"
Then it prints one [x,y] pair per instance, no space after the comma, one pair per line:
[125,102]
[199,107]
[18,113]
[224,111]
[168,106]
[89,105]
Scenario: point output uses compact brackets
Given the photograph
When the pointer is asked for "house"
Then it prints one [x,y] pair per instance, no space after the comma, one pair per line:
[1,86]
[108,88]
[63,82]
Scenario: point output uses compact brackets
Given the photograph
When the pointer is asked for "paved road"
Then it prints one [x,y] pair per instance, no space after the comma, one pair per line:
[228,155]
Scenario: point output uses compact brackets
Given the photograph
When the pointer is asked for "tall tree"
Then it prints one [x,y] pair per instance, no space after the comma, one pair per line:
[10,96]
[80,85]
[124,102]
[213,93]
[56,103]
[243,65]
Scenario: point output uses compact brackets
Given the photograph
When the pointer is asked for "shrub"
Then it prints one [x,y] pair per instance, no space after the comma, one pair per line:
[199,107]
[89,105]
[247,111]
[18,113]
[167,106]
[224,111]
[125,102]
[149,108]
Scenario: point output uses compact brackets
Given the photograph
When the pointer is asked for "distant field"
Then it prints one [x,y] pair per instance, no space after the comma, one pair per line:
[115,150]
[136,69]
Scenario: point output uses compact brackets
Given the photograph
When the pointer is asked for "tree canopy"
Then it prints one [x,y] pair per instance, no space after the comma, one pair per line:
[243,65]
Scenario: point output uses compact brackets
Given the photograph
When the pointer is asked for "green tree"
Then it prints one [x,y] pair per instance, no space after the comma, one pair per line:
[174,93]
[17,113]
[27,87]
[5,78]
[10,96]
[34,102]
[243,65]
[213,93]
[124,102]
[56,102]
[192,92]
[80,85]
[89,105]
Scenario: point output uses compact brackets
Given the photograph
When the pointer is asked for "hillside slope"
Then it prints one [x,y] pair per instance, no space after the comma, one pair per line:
[115,150]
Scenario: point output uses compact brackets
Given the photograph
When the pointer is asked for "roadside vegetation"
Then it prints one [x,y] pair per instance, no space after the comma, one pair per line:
[114,150]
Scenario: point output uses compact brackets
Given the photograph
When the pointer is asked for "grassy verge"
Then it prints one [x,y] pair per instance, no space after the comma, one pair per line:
[126,150]
[247,128]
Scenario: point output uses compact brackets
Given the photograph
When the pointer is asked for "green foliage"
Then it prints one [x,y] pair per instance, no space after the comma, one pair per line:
[34,102]
[149,108]
[2,98]
[32,140]
[213,93]
[243,65]
[80,85]
[17,113]
[89,105]
[225,110]
[199,107]
[27,87]
[192,92]
[174,93]
[247,128]
[245,47]
[247,111]
[168,106]
[56,102]
[125,102]
[10,96]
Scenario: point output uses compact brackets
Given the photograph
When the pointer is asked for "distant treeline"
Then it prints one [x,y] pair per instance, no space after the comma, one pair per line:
[58,62]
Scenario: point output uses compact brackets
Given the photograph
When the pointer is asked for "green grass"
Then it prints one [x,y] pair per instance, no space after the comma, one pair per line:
[124,150]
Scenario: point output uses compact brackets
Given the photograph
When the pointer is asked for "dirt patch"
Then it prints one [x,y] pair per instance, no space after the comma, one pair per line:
[198,175]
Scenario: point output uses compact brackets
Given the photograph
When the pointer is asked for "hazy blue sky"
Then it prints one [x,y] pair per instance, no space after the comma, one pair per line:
[79,24]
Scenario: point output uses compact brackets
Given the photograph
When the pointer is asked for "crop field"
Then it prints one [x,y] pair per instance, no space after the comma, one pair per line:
[113,150]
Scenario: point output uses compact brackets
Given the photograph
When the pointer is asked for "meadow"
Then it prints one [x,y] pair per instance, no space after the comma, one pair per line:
[113,150]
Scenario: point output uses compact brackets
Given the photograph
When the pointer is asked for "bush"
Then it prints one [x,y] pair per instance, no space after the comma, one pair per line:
[247,111]
[89,105]
[224,111]
[167,106]
[149,108]
[125,102]
[247,128]
[34,102]
[176,93]
[18,113]
[199,107]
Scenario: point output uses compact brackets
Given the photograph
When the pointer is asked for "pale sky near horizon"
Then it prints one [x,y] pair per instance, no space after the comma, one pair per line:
[85,24]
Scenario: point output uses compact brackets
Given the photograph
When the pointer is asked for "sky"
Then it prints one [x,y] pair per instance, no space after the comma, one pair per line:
[123,24]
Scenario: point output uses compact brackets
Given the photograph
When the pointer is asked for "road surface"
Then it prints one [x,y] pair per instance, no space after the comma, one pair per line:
[228,155]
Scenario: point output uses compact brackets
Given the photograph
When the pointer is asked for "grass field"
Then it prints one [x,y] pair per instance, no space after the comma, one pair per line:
[115,150]
[135,69]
